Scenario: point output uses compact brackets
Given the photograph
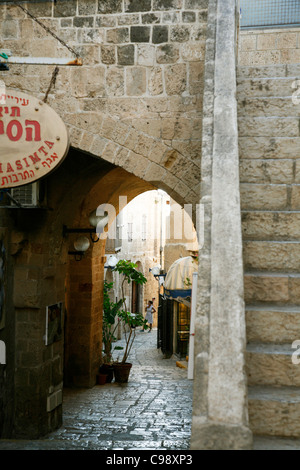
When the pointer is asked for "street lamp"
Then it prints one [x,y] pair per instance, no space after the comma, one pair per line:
[158,273]
[81,245]
[111,262]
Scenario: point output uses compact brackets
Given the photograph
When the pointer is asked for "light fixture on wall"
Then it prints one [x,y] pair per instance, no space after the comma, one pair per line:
[158,273]
[82,244]
[98,222]
[111,262]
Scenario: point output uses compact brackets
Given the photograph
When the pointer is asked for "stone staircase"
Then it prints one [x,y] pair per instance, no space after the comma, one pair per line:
[269,145]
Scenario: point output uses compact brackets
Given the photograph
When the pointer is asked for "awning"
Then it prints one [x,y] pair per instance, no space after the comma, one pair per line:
[178,282]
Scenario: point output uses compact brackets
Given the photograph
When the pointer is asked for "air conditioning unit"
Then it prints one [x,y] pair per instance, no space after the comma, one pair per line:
[25,196]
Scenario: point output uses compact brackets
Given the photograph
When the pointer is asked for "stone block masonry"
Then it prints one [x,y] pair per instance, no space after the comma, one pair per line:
[136,106]
[270,46]
[142,66]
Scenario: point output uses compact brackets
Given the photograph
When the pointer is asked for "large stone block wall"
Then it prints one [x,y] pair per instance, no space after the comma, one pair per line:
[137,99]
[269,46]
[136,102]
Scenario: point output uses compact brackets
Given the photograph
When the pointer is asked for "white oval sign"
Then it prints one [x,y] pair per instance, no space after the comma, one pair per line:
[33,139]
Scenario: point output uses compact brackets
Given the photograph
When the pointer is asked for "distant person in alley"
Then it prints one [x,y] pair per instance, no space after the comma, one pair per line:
[149,314]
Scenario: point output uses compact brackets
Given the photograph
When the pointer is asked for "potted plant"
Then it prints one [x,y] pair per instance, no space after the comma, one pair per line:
[110,312]
[129,320]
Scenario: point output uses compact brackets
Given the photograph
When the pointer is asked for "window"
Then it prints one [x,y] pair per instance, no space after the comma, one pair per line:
[129,231]
[144,228]
[269,13]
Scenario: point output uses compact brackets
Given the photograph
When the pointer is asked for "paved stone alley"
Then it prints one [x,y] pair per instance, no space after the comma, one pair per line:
[152,411]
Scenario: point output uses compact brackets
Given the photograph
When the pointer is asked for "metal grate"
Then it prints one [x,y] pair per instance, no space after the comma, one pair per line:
[25,195]
[269,13]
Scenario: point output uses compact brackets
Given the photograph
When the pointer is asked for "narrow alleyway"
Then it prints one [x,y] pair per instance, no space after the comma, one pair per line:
[152,411]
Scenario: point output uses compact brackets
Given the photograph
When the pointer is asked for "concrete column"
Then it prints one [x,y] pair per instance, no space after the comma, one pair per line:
[220,413]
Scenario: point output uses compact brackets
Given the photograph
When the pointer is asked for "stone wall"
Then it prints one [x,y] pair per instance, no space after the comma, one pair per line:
[137,99]
[270,46]
[136,105]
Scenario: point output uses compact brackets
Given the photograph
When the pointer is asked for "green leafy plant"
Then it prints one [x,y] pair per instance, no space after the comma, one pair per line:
[110,321]
[129,320]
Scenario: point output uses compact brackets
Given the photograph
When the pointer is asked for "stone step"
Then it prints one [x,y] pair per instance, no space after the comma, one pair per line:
[272,364]
[272,324]
[279,107]
[272,288]
[269,171]
[265,87]
[276,197]
[267,225]
[268,126]
[275,443]
[268,71]
[273,147]
[271,256]
[274,411]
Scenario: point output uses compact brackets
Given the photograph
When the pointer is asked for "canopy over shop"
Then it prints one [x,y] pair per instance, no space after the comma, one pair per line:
[175,307]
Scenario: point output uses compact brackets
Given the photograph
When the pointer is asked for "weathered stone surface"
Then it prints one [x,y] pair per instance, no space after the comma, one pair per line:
[108,55]
[83,22]
[109,6]
[224,256]
[149,18]
[272,365]
[160,34]
[179,33]
[65,8]
[117,35]
[264,127]
[175,79]
[115,81]
[167,54]
[137,5]
[140,33]
[167,4]
[188,16]
[271,256]
[285,323]
[254,87]
[274,225]
[269,147]
[135,81]
[263,196]
[274,412]
[87,8]
[263,171]
[264,287]
[125,54]
[270,106]
[155,83]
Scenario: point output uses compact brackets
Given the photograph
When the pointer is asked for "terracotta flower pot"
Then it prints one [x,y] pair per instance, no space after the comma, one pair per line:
[122,371]
[101,379]
[108,370]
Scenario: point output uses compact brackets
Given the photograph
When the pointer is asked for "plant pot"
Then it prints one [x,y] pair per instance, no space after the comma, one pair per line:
[121,371]
[108,370]
[101,379]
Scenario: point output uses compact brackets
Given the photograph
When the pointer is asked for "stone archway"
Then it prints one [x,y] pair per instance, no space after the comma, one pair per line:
[134,111]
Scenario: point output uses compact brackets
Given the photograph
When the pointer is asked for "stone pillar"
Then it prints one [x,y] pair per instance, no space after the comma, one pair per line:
[220,415]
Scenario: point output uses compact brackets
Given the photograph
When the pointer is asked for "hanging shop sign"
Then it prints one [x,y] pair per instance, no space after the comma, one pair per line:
[33,139]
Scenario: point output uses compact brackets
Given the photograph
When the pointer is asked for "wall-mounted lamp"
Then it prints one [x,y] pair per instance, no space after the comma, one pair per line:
[82,244]
[111,262]
[158,273]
